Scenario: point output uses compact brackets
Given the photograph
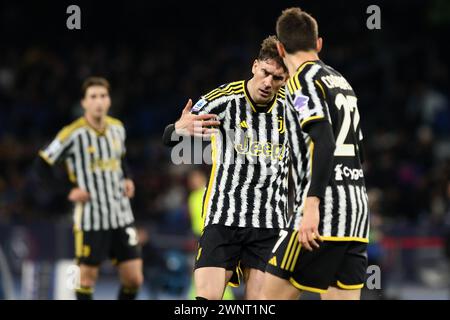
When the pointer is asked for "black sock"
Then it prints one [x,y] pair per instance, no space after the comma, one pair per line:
[127,293]
[84,293]
[200,298]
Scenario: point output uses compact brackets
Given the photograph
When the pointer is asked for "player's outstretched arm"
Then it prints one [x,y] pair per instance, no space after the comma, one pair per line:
[190,124]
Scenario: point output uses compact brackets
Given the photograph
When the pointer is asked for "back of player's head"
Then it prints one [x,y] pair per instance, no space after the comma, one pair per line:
[94,81]
[269,51]
[297,30]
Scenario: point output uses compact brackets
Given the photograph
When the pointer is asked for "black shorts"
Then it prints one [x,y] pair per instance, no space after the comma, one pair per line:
[235,248]
[93,247]
[340,264]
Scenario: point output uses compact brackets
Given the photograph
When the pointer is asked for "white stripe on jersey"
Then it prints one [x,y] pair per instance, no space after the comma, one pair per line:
[354,208]
[342,211]
[328,216]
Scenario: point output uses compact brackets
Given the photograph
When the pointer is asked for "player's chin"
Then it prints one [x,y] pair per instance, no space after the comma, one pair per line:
[266,97]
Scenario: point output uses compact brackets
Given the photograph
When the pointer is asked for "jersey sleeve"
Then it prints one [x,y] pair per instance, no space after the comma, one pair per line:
[123,135]
[307,96]
[59,148]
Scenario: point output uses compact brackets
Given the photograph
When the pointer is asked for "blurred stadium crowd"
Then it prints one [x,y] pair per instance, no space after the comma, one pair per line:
[400,74]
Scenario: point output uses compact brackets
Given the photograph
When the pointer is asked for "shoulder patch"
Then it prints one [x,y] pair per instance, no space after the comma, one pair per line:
[199,105]
[300,102]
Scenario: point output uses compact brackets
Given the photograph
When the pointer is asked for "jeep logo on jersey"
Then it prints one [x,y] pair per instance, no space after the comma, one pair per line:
[353,174]
[301,102]
[200,103]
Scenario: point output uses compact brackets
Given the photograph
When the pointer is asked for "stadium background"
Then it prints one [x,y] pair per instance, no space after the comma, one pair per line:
[157,55]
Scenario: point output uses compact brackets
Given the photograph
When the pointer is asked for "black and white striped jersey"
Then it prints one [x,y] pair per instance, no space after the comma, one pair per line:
[94,163]
[249,175]
[319,93]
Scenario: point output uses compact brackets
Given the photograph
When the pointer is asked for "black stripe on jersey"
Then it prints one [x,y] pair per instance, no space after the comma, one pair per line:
[286,192]
[304,164]
[348,221]
[103,179]
[335,214]
[94,174]
[84,167]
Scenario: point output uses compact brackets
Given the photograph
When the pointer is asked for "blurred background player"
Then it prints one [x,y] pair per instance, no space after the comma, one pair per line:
[197,184]
[333,204]
[246,200]
[93,150]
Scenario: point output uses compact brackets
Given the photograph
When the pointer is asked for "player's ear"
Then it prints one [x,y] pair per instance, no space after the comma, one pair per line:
[255,65]
[319,44]
[280,49]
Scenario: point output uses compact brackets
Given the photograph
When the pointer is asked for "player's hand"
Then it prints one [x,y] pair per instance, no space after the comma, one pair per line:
[129,188]
[79,195]
[308,231]
[195,125]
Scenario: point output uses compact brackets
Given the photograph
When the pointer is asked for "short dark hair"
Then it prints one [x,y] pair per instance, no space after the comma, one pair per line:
[94,81]
[269,51]
[297,30]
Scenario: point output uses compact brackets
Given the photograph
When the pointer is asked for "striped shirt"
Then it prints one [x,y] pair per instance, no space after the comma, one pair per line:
[93,162]
[250,154]
[319,93]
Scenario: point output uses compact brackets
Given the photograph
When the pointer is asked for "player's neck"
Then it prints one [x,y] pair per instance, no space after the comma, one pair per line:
[294,61]
[98,123]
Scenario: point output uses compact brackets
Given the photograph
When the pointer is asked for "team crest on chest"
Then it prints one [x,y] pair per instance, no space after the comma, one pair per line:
[281,127]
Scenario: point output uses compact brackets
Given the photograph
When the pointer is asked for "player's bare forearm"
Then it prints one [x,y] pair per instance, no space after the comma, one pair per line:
[78,195]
